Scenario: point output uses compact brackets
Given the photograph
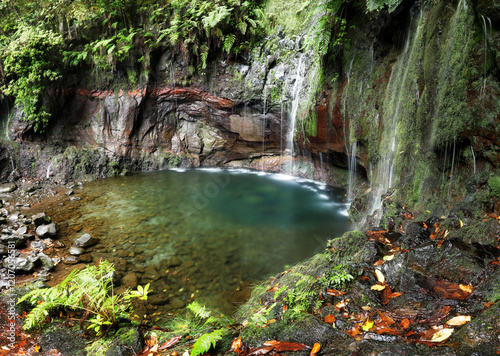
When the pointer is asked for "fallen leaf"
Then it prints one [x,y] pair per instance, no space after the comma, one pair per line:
[353,332]
[442,335]
[379,262]
[384,296]
[259,351]
[459,320]
[395,295]
[335,293]
[469,288]
[386,319]
[37,349]
[236,346]
[170,343]
[387,330]
[315,349]
[273,288]
[388,258]
[367,325]
[282,346]
[366,308]
[405,323]
[380,276]
[378,287]
[330,319]
[461,223]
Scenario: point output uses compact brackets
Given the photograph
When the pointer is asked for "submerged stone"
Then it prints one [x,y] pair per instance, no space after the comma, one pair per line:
[46,230]
[86,240]
[8,187]
[41,219]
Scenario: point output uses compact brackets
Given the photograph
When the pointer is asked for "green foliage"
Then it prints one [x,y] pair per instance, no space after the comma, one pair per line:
[377,5]
[27,57]
[206,341]
[89,290]
[337,278]
[494,183]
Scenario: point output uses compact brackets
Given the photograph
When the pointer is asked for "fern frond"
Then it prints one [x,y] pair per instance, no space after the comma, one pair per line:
[206,341]
[199,310]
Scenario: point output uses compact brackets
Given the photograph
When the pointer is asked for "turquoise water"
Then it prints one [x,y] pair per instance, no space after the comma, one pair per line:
[224,228]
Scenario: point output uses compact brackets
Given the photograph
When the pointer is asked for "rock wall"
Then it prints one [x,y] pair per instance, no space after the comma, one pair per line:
[417,92]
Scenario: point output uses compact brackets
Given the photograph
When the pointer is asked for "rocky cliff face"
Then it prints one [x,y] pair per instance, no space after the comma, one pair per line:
[412,95]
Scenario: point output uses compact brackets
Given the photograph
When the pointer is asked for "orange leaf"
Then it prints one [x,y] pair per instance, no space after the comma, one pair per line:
[405,323]
[335,293]
[330,319]
[353,332]
[388,320]
[379,262]
[387,330]
[236,346]
[37,348]
[281,346]
[273,288]
[315,349]
[395,295]
[170,343]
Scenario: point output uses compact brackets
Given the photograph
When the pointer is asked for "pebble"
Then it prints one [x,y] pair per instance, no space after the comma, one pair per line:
[130,280]
[46,230]
[177,303]
[76,251]
[8,188]
[70,260]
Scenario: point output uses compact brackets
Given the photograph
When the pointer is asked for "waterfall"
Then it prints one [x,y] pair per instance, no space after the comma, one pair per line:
[401,89]
[473,158]
[264,128]
[300,76]
[48,170]
[351,165]
[452,167]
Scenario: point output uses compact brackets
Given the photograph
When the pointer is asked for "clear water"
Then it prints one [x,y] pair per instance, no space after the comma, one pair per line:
[225,227]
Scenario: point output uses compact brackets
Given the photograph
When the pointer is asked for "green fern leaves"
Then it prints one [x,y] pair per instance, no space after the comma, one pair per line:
[206,341]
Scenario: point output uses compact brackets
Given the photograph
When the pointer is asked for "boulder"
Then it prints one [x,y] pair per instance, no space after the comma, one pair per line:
[86,240]
[41,219]
[19,263]
[46,230]
[8,188]
[130,280]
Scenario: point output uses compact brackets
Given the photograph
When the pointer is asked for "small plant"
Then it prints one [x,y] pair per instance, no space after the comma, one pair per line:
[337,278]
[89,291]
[209,338]
[494,183]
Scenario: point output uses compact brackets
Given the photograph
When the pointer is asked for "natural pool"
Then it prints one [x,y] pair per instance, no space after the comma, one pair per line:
[204,234]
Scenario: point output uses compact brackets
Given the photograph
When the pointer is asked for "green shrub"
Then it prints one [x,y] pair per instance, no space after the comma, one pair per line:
[494,183]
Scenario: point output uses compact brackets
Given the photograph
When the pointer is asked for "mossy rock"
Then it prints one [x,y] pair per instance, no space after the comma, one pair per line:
[127,341]
[69,342]
[353,247]
[483,233]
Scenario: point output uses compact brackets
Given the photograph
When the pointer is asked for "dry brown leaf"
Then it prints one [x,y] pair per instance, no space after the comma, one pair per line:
[459,320]
[405,323]
[378,287]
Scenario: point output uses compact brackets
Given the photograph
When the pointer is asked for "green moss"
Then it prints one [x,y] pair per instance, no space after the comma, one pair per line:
[494,183]
[291,15]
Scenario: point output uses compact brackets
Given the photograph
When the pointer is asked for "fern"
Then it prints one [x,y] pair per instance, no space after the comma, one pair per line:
[206,341]
[228,43]
[89,290]
[199,310]
[494,183]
